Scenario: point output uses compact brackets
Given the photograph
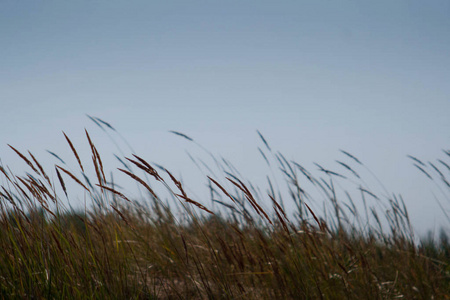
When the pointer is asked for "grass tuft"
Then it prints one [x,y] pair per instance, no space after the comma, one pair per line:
[230,246]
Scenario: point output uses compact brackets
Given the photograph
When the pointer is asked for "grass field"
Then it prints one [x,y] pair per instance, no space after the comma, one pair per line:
[239,244]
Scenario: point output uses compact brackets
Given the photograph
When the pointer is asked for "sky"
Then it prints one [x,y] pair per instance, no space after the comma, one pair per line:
[369,77]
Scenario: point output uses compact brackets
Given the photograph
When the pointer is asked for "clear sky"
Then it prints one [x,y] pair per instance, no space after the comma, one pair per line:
[370,77]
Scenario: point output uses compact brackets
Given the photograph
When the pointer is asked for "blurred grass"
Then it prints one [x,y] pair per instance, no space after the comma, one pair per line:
[231,246]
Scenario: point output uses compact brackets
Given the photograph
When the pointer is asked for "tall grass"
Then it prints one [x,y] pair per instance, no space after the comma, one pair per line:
[231,246]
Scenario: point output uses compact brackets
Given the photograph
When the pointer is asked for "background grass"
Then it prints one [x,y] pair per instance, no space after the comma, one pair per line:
[241,243]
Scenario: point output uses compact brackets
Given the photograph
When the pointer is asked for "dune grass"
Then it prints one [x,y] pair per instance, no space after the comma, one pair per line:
[239,244]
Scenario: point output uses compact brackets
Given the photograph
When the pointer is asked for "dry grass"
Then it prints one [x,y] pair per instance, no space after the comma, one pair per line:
[121,248]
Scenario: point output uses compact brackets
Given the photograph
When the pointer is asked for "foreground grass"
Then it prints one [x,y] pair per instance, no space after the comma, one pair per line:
[120,249]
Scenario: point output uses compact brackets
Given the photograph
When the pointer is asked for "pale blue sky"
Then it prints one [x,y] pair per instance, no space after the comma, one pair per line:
[371,77]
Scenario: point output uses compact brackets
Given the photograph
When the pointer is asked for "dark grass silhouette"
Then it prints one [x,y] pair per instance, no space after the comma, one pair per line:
[241,243]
